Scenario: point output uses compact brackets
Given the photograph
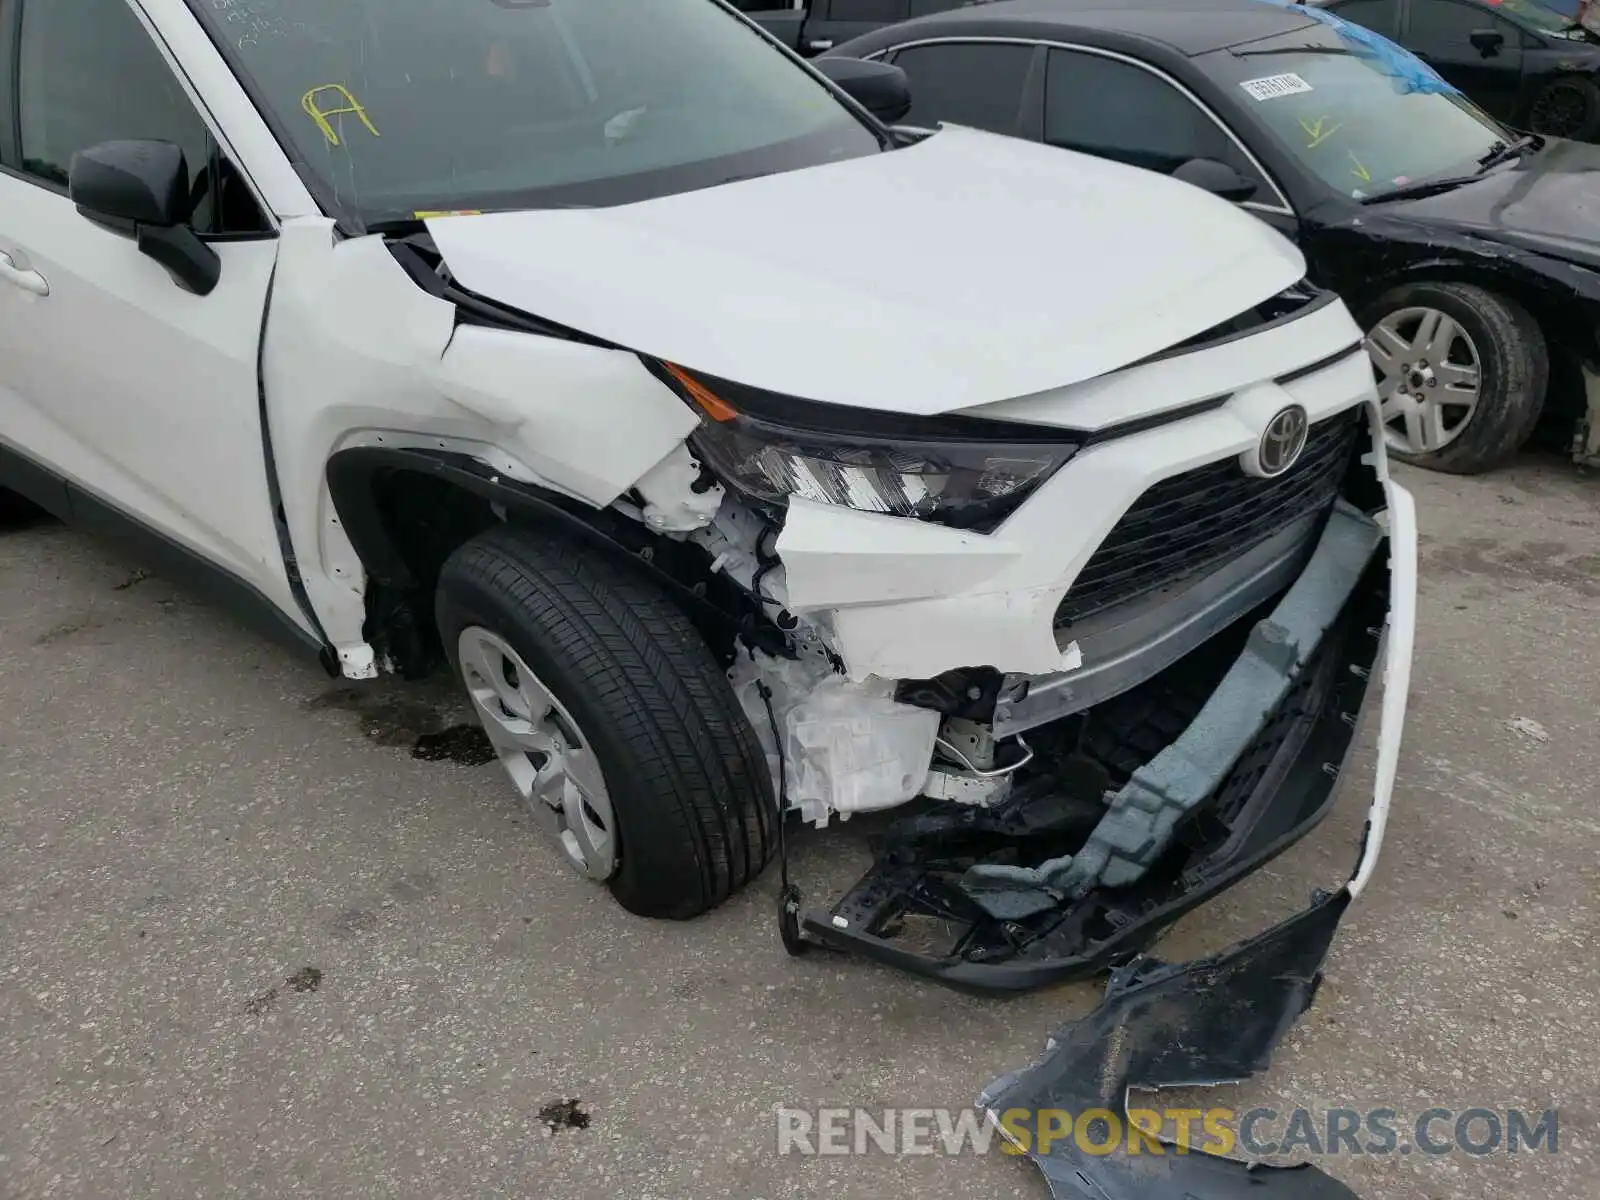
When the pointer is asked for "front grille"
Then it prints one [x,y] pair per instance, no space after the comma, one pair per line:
[1203,517]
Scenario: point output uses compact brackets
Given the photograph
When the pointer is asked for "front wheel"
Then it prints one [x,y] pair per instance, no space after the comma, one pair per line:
[612,717]
[1568,107]
[1461,374]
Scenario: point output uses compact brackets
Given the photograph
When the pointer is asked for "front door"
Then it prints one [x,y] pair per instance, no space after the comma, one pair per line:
[142,395]
[1116,108]
[1472,48]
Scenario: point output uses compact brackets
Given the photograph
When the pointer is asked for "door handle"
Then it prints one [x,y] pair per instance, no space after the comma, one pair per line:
[28,281]
[818,45]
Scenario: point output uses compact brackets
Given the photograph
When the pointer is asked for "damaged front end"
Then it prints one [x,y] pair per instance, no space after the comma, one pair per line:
[1106,835]
[1215,653]
[1049,857]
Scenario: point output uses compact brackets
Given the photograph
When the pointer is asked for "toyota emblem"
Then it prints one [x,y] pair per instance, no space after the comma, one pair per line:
[1282,441]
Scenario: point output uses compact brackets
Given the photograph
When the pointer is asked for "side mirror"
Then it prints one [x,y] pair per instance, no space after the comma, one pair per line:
[141,188]
[1216,177]
[881,89]
[1487,42]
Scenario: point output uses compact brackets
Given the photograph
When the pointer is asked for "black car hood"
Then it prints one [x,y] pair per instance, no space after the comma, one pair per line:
[1548,201]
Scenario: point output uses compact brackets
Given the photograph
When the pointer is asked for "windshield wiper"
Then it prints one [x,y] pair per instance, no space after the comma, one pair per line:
[1291,50]
[1503,151]
[1423,187]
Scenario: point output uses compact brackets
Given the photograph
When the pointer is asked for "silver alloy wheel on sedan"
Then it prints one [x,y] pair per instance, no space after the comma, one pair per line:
[550,760]
[1429,378]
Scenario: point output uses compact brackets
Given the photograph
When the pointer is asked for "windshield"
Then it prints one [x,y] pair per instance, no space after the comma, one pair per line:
[1555,17]
[400,108]
[1361,114]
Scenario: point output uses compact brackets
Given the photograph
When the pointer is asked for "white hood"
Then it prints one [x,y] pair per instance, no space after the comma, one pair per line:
[963,270]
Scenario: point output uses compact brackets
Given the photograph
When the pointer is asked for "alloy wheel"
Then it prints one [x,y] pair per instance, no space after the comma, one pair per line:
[1429,377]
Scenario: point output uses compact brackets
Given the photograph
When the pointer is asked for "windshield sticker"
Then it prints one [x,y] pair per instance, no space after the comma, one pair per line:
[312,102]
[1270,87]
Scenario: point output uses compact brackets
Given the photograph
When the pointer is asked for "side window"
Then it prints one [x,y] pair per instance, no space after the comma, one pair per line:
[89,73]
[968,83]
[1114,109]
[1380,16]
[1444,23]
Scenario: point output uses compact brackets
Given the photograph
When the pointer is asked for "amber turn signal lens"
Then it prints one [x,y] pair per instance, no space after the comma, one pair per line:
[713,405]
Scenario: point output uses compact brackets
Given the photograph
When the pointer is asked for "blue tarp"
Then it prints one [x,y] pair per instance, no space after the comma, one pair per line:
[1409,71]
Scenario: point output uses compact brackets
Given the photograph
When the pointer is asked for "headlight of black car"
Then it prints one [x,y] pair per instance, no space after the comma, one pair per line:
[964,472]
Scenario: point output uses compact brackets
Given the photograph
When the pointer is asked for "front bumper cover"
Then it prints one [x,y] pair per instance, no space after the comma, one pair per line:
[1277,791]
[1215,1020]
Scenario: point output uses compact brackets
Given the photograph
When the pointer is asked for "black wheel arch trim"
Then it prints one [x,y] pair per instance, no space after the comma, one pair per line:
[1560,296]
[354,473]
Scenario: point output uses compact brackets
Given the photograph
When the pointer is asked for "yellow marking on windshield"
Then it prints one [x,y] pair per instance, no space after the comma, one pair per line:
[1319,131]
[1360,170]
[320,115]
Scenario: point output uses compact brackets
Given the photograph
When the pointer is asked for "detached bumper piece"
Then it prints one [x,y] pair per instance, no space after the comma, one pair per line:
[1142,808]
[1214,1020]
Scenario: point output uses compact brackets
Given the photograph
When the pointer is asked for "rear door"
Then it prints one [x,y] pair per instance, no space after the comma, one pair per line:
[1442,33]
[833,22]
[142,395]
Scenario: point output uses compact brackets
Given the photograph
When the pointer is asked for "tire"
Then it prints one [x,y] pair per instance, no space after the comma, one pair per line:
[684,774]
[1513,372]
[1568,107]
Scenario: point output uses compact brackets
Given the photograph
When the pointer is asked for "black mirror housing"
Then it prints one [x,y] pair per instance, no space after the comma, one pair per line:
[1487,42]
[141,188]
[1216,177]
[131,182]
[880,88]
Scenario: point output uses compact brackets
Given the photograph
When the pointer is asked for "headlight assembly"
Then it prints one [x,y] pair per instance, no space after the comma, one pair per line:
[964,472]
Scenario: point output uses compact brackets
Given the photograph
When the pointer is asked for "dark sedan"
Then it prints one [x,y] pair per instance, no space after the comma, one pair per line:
[1470,254]
[1531,63]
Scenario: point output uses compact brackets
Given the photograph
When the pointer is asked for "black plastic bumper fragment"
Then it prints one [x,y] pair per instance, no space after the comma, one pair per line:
[1140,817]
[1278,791]
[1210,1021]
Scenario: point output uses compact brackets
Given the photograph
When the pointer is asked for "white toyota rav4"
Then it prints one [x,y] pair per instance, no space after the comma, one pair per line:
[740,452]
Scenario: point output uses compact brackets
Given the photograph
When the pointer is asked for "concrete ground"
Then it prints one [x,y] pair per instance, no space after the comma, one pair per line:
[190,818]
